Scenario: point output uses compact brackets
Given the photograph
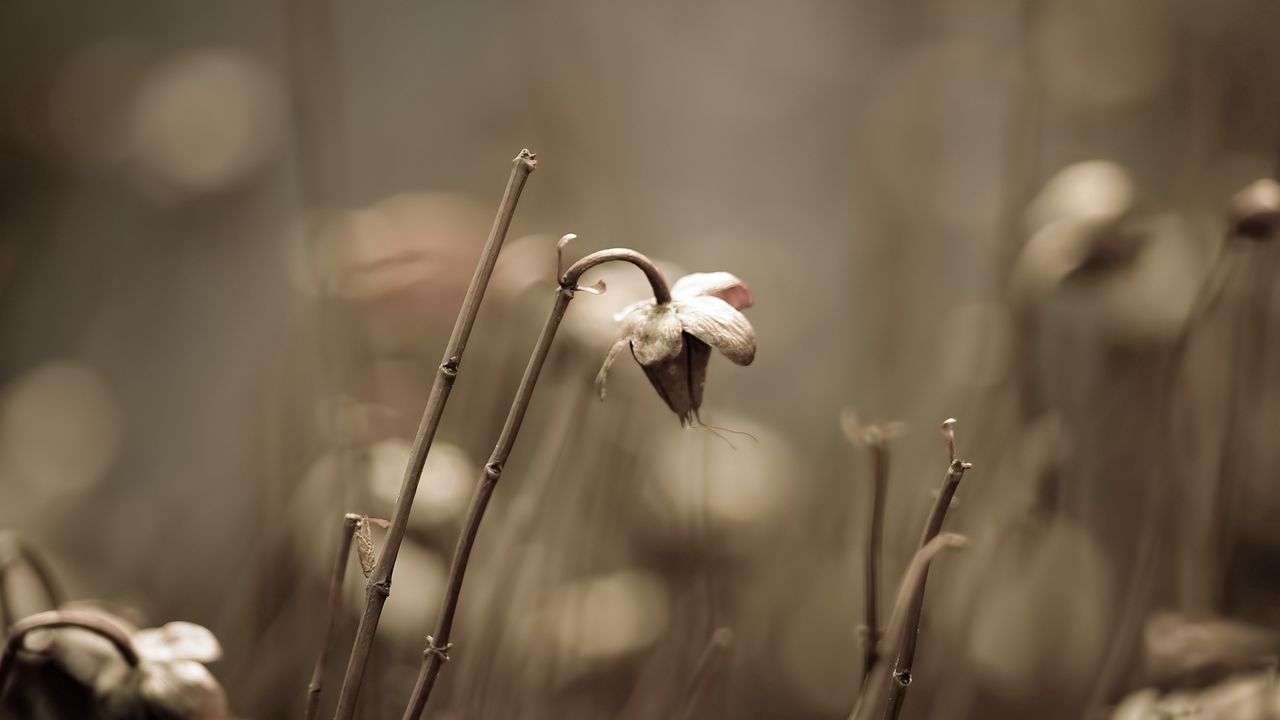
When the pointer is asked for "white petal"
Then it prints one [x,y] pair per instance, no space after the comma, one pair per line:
[177,641]
[654,332]
[609,359]
[723,285]
[716,323]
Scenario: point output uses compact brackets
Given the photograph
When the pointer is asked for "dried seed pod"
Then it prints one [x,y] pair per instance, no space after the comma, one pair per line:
[365,549]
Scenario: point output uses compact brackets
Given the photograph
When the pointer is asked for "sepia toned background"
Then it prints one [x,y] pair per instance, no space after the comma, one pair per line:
[234,238]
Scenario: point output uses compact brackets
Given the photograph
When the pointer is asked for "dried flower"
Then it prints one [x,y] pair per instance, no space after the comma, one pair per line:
[152,674]
[1255,211]
[672,341]
[169,690]
[171,680]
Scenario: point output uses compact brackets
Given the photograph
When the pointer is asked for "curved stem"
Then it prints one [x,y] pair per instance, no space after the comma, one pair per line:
[54,619]
[379,586]
[18,551]
[661,291]
[912,587]
[712,654]
[437,651]
[910,628]
[349,523]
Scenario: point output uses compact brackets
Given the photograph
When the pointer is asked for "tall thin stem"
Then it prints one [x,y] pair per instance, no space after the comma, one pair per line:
[716,648]
[63,619]
[437,651]
[911,630]
[349,523]
[379,586]
[875,538]
[912,586]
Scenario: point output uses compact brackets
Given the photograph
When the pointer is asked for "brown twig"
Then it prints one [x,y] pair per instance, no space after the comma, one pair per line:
[875,537]
[349,523]
[911,631]
[379,586]
[63,619]
[720,642]
[911,588]
[437,651]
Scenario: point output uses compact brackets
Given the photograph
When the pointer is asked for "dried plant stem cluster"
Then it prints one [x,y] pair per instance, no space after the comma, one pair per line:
[350,522]
[379,586]
[437,650]
[670,336]
[884,685]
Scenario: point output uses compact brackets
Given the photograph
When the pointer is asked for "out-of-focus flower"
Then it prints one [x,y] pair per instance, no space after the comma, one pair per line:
[672,341]
[1179,650]
[1255,211]
[203,121]
[169,681]
[177,641]
[1092,189]
[1246,697]
[736,494]
[1093,256]
[588,624]
[1039,570]
[166,690]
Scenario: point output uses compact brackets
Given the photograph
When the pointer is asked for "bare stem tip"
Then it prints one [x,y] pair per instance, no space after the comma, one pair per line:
[949,435]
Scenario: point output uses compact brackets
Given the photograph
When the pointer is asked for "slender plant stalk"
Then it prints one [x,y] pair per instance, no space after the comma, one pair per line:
[349,523]
[6,605]
[875,538]
[720,642]
[63,619]
[912,587]
[437,651]
[17,551]
[1137,593]
[379,587]
[911,630]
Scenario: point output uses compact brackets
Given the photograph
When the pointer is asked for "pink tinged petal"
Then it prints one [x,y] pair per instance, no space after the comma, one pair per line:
[654,332]
[609,359]
[723,285]
[716,323]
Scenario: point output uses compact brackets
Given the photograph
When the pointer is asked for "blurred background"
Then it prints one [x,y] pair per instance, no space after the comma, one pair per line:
[234,238]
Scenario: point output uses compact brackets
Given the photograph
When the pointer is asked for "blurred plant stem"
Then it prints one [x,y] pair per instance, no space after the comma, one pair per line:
[15,551]
[1249,221]
[911,630]
[875,536]
[719,644]
[437,651]
[379,587]
[54,619]
[349,523]
[912,587]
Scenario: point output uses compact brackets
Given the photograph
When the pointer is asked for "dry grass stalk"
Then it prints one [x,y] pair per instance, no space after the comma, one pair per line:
[379,586]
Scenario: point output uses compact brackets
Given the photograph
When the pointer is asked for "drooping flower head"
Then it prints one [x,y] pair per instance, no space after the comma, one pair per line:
[672,341]
[1255,211]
